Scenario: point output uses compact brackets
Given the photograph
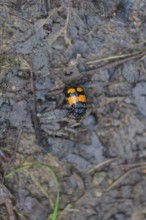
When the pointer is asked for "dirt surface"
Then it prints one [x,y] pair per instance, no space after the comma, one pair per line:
[99,160]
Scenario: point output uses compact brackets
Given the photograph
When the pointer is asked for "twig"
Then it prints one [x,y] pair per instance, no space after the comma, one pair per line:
[34,114]
[42,189]
[3,156]
[16,145]
[67,40]
[118,58]
[114,57]
[102,164]
[54,36]
[5,198]
[13,157]
[123,177]
[9,207]
[126,166]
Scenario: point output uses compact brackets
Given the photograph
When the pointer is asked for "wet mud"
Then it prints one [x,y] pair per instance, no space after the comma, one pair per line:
[99,159]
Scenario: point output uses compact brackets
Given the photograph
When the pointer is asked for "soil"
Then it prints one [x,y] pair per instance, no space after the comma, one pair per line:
[99,159]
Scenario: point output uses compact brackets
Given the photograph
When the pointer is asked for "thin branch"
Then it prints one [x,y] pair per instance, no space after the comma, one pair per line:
[102,164]
[121,178]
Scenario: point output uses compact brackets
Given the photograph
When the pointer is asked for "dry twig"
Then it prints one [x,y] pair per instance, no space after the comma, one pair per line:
[102,164]
[116,182]
[5,198]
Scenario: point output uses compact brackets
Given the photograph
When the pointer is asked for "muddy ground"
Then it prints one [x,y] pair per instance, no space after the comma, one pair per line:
[99,160]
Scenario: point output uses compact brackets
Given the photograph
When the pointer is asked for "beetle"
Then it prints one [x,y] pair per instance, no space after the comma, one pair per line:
[77,99]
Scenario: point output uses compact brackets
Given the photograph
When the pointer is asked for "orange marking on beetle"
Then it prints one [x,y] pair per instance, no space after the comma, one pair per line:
[79,89]
[73,99]
[82,98]
[71,90]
